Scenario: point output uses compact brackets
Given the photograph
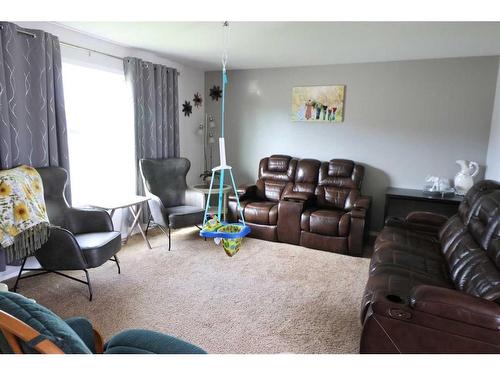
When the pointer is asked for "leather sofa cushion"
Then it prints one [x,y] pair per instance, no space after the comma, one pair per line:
[275,173]
[470,201]
[484,224]
[270,189]
[261,212]
[394,259]
[278,163]
[333,196]
[341,172]
[407,239]
[306,176]
[326,222]
[339,184]
[470,255]
[472,270]
[450,232]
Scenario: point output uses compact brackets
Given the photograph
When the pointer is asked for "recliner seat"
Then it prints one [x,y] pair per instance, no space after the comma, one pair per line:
[336,220]
[259,202]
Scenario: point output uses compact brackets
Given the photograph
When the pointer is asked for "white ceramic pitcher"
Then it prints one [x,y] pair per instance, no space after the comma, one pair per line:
[464,179]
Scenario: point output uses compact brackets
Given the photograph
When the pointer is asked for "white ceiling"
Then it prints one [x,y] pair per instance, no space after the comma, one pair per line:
[282,44]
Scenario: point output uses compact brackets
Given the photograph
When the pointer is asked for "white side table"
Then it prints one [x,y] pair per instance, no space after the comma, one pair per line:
[134,204]
[215,191]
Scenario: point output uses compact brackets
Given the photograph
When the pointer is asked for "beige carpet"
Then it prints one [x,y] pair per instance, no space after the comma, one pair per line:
[268,298]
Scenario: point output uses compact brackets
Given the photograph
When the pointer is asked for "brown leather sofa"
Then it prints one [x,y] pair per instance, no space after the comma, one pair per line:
[306,202]
[434,283]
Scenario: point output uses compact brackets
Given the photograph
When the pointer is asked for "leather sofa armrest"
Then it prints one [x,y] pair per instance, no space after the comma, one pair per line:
[358,213]
[426,218]
[88,220]
[244,192]
[456,305]
[363,201]
[297,196]
[357,229]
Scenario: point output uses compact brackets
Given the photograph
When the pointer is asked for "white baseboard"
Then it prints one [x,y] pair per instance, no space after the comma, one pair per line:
[12,271]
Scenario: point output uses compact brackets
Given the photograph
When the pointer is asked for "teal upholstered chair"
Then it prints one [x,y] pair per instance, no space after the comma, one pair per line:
[28,328]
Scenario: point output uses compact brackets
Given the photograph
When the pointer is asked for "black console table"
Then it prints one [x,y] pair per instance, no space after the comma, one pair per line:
[400,202]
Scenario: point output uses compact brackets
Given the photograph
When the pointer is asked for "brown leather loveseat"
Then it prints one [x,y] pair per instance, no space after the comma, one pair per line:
[434,283]
[306,202]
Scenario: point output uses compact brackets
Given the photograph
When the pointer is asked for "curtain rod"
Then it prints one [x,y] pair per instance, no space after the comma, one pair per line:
[74,46]
[95,51]
[22,32]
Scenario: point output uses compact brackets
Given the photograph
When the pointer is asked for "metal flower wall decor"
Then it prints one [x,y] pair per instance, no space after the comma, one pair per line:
[216,93]
[187,108]
[197,100]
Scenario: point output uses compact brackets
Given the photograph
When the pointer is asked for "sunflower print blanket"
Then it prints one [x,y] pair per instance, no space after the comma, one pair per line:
[24,224]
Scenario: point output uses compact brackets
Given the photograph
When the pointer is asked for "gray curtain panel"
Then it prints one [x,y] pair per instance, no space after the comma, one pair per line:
[32,116]
[155,95]
[156,110]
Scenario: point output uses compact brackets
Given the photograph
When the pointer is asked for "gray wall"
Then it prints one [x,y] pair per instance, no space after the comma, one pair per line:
[403,120]
[493,157]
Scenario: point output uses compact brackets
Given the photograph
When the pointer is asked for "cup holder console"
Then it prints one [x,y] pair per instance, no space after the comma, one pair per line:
[394,298]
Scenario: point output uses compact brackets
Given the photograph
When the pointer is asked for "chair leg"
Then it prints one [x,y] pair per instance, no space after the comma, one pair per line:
[200,228]
[88,284]
[43,272]
[147,226]
[19,274]
[167,233]
[169,239]
[117,264]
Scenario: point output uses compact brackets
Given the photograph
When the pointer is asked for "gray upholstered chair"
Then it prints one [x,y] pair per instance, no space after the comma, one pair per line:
[79,238]
[172,204]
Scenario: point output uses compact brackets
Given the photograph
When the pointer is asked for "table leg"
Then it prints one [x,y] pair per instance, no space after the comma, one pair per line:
[139,212]
[112,213]
[134,223]
[136,215]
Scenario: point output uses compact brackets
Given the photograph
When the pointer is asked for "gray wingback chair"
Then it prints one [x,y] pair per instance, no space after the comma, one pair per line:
[79,239]
[173,205]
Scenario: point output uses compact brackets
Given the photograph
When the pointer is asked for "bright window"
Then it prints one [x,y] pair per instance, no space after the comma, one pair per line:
[100,134]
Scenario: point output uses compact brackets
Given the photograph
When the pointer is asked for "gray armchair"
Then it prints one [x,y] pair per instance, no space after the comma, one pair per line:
[173,205]
[79,239]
